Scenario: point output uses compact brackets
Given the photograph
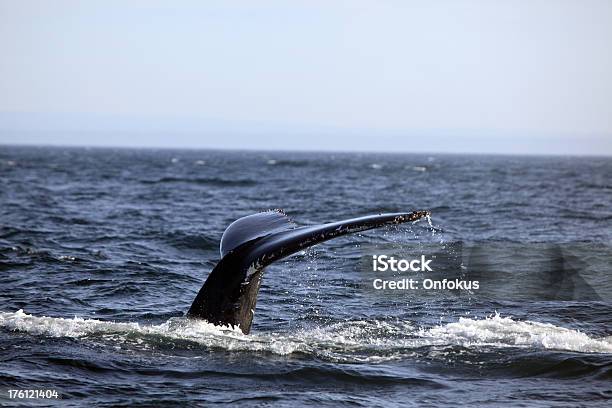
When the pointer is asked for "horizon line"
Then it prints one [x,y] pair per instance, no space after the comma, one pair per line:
[283,150]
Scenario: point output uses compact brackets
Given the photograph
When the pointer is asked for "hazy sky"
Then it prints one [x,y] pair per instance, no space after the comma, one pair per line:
[479,76]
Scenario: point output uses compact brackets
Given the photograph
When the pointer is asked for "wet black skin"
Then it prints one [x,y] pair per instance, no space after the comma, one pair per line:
[249,244]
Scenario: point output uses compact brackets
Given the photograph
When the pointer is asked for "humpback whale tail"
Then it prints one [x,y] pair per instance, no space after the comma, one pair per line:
[251,243]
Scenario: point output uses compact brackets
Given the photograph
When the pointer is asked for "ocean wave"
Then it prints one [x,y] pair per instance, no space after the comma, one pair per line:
[212,181]
[501,331]
[288,163]
[191,240]
[350,341]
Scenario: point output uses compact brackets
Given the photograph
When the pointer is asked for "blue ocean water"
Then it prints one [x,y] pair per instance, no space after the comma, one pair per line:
[103,250]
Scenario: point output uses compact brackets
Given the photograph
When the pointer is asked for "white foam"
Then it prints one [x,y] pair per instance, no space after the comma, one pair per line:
[197,331]
[504,332]
[345,341]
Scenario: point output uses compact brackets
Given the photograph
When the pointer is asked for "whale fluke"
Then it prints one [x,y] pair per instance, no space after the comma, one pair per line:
[250,244]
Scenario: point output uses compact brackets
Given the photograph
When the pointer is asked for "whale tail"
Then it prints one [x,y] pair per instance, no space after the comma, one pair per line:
[251,243]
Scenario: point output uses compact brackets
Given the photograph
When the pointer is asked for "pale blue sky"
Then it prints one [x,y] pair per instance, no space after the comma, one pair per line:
[442,76]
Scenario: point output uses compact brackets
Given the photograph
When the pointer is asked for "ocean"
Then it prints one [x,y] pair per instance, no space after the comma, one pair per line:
[102,252]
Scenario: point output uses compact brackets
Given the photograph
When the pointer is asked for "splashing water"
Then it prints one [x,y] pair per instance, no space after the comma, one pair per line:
[345,341]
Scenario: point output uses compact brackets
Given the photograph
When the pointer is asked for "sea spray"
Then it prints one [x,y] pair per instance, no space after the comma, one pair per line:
[347,341]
